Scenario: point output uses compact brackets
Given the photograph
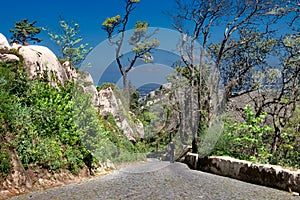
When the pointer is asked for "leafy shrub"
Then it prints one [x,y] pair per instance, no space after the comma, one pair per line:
[54,128]
[48,154]
[288,153]
[105,86]
[5,165]
[246,140]
[74,159]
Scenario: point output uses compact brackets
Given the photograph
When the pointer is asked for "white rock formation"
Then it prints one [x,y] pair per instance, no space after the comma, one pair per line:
[85,82]
[3,42]
[140,129]
[7,57]
[70,70]
[38,59]
[109,103]
[5,54]
[151,94]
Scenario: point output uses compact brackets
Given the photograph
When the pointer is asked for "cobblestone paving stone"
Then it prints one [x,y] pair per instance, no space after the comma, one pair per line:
[159,180]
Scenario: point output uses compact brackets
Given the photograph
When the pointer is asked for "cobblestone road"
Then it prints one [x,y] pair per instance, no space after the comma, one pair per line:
[159,180]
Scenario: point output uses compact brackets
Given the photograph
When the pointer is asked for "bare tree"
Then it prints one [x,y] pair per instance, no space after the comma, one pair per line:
[198,16]
[284,87]
[272,87]
[243,23]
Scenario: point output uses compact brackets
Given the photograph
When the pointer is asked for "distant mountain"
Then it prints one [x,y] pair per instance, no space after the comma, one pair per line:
[146,89]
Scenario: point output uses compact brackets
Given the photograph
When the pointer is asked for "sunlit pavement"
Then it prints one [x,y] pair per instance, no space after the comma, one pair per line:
[160,180]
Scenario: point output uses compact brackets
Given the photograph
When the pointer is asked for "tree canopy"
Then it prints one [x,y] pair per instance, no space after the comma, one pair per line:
[70,42]
[140,40]
[25,31]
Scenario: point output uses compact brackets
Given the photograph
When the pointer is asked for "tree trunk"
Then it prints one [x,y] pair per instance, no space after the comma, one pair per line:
[195,145]
[124,81]
[126,93]
[276,138]
[193,118]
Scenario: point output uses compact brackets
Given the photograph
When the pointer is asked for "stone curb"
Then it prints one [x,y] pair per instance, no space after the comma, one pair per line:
[261,174]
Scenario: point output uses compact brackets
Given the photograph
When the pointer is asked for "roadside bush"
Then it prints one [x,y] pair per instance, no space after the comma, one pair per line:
[48,154]
[288,153]
[248,140]
[53,128]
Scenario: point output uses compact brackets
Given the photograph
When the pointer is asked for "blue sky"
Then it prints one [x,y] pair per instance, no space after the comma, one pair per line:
[89,14]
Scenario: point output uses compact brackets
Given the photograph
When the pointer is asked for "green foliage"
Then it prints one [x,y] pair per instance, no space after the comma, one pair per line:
[75,158]
[5,166]
[48,153]
[24,31]
[134,101]
[13,115]
[92,131]
[55,128]
[142,46]
[50,128]
[70,42]
[288,153]
[36,120]
[110,23]
[120,148]
[105,86]
[249,140]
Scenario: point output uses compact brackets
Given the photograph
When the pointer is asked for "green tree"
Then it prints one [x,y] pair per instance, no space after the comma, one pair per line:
[288,152]
[141,45]
[70,42]
[25,31]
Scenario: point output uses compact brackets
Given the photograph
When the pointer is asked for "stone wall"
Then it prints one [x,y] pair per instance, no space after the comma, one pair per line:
[261,174]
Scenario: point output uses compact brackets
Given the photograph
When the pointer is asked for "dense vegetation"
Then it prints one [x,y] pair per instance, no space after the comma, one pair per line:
[53,128]
[251,140]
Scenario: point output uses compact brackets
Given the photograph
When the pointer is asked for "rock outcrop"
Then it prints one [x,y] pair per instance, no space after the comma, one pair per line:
[70,70]
[110,103]
[39,60]
[86,83]
[7,56]
[3,42]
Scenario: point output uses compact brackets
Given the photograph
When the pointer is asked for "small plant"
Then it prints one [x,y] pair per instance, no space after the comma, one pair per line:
[105,86]
[5,165]
[70,42]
